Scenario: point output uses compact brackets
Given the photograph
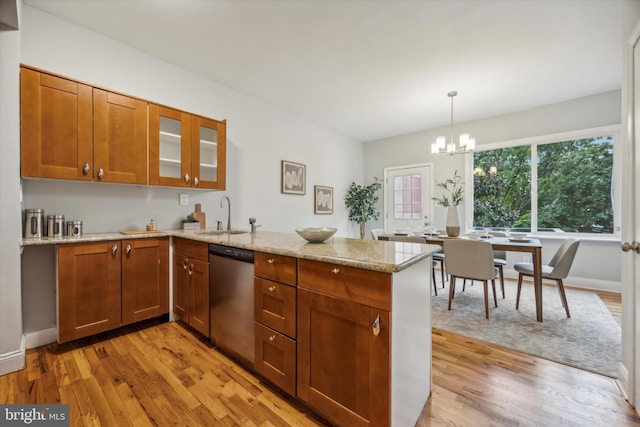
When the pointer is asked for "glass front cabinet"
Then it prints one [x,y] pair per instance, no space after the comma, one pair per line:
[186,150]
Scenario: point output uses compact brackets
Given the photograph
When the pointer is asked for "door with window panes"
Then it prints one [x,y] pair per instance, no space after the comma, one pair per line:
[406,198]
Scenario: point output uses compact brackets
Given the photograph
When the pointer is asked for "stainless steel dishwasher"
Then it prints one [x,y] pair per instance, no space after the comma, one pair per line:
[231,301]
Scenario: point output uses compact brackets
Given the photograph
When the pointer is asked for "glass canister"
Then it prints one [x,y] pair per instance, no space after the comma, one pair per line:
[74,228]
[33,223]
[55,225]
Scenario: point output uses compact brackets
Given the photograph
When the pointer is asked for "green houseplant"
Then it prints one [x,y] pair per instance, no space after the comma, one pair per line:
[451,198]
[361,202]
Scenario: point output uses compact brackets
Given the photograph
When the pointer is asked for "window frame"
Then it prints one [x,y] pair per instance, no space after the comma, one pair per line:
[533,142]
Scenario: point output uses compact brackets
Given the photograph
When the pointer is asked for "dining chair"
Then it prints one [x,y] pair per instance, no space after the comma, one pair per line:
[557,269]
[500,259]
[376,232]
[417,239]
[471,259]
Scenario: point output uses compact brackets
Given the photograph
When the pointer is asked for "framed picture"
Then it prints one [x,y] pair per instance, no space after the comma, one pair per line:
[293,178]
[322,199]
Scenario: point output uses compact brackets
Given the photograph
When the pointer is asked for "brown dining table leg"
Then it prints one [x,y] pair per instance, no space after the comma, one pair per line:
[537,281]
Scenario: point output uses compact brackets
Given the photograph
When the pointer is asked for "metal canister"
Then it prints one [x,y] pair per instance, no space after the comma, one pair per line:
[74,228]
[33,223]
[55,225]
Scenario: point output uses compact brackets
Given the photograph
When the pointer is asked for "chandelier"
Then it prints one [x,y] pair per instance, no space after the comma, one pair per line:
[466,144]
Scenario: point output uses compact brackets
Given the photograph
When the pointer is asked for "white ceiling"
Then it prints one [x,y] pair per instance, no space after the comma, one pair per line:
[374,69]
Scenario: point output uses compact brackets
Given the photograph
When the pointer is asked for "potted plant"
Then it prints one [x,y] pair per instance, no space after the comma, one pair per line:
[190,223]
[451,198]
[361,202]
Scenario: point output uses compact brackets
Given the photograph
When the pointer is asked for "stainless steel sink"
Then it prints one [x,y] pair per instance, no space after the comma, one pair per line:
[219,232]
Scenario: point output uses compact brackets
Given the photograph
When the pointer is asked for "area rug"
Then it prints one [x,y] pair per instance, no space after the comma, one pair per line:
[590,339]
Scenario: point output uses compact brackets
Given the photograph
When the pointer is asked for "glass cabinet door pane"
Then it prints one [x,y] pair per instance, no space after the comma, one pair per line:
[208,154]
[170,146]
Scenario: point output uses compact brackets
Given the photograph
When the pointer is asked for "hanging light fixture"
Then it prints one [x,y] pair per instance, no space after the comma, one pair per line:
[466,144]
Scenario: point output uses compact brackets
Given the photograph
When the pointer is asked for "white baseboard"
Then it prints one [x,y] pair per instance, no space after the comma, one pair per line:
[13,360]
[42,337]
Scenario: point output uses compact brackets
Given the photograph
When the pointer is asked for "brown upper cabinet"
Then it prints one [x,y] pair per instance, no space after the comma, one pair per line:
[56,117]
[186,150]
[70,130]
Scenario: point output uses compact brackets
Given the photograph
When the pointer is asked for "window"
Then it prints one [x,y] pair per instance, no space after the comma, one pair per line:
[407,196]
[563,185]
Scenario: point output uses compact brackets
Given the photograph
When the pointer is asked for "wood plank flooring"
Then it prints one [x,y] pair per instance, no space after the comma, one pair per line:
[157,374]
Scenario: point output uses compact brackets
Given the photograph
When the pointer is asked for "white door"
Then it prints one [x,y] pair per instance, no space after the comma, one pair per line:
[630,235]
[407,197]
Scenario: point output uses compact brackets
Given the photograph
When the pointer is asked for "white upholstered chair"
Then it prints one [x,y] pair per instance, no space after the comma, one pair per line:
[376,232]
[471,259]
[500,260]
[557,269]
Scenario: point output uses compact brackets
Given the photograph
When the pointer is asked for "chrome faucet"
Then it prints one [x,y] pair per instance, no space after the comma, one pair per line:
[228,211]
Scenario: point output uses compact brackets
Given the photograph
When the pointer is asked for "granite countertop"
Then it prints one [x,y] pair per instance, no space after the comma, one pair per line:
[384,256]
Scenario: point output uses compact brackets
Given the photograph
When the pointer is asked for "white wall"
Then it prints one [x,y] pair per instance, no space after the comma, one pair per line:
[597,264]
[258,138]
[11,347]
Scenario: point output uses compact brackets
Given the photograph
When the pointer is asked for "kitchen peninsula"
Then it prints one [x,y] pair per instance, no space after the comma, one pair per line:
[360,351]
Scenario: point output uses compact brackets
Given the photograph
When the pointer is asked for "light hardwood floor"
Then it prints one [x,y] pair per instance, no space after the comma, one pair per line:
[162,374]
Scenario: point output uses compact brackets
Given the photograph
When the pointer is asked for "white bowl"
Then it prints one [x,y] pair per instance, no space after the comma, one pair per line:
[518,236]
[316,235]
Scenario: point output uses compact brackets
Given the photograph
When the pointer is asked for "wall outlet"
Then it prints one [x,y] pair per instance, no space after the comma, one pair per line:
[184,199]
[526,258]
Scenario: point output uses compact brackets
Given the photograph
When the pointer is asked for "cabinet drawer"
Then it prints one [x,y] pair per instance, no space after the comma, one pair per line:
[279,268]
[366,287]
[191,248]
[275,306]
[276,358]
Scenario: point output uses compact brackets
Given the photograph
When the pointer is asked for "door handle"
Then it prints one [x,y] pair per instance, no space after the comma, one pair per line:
[114,249]
[128,249]
[633,246]
[100,174]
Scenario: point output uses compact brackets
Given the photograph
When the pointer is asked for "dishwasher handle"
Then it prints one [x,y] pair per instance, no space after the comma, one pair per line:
[238,254]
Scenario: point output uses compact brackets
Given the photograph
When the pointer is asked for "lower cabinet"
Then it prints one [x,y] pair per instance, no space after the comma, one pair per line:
[101,288]
[275,319]
[89,297]
[344,362]
[145,279]
[191,283]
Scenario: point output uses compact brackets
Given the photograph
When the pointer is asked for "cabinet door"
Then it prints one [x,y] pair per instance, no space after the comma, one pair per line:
[181,286]
[199,296]
[88,289]
[346,376]
[208,153]
[275,305]
[169,147]
[145,279]
[56,136]
[120,138]
[276,358]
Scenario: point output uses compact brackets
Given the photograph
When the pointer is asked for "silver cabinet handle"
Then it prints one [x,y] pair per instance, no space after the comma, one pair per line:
[633,246]
[376,326]
[85,169]
[128,249]
[272,338]
[190,269]
[272,288]
[335,271]
[271,260]
[195,181]
[186,178]
[100,174]
[184,264]
[114,249]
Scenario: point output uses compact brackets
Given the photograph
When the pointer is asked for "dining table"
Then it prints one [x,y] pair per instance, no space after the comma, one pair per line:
[527,245]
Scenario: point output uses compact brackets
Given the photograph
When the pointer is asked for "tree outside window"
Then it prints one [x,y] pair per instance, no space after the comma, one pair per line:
[574,186]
